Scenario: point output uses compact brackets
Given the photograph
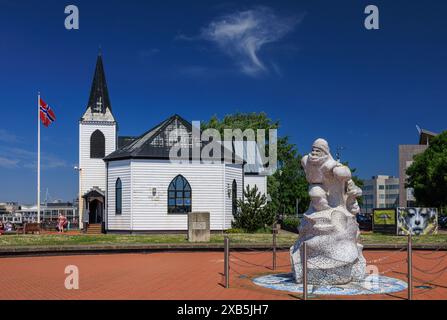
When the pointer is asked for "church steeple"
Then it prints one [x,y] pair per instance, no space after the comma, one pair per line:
[99,100]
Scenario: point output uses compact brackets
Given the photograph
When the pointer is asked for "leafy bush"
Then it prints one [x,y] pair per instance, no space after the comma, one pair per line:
[291,223]
[253,212]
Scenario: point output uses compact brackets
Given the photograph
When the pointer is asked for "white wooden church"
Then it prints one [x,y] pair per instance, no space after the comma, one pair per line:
[129,185]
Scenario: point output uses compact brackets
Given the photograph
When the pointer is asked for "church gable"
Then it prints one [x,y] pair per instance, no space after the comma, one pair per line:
[156,142]
[169,134]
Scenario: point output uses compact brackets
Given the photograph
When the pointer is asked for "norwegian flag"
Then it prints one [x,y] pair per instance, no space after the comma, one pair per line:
[47,115]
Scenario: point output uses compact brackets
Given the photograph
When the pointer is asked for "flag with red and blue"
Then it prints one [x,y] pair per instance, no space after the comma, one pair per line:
[47,115]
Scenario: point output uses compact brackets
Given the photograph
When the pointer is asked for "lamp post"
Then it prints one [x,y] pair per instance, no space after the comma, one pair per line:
[80,199]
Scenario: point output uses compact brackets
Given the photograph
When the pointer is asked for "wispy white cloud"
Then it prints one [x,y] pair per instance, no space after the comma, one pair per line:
[22,158]
[243,34]
[7,137]
[8,163]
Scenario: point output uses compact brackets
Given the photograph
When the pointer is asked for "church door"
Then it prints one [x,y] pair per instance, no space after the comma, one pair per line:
[96,211]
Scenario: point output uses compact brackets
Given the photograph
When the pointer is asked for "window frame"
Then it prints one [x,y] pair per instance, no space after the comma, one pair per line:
[118,204]
[234,197]
[95,153]
[177,194]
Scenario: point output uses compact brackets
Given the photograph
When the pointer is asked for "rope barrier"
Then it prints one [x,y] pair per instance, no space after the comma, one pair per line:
[430,271]
[430,282]
[426,258]
[387,257]
[248,262]
[239,259]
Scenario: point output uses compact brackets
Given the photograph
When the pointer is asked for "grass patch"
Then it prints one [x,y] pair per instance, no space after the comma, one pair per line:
[374,238]
[238,238]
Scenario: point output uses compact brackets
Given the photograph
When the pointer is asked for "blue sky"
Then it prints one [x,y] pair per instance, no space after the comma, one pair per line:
[310,64]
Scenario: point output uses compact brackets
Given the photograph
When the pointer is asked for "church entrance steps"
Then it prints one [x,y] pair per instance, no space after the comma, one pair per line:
[94,228]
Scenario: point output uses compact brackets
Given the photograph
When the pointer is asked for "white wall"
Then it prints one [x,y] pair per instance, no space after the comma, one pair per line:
[94,170]
[143,212]
[232,172]
[151,213]
[119,169]
[259,181]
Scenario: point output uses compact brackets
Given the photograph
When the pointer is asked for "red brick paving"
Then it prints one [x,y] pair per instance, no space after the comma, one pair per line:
[187,275]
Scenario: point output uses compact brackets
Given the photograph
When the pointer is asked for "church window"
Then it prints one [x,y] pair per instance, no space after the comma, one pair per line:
[179,195]
[234,198]
[118,197]
[97,145]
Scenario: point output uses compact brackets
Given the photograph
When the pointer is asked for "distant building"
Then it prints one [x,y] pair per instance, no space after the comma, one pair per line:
[8,207]
[49,213]
[406,155]
[380,192]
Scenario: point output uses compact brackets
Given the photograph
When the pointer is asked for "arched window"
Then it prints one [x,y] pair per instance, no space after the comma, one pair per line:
[118,197]
[179,195]
[97,145]
[234,197]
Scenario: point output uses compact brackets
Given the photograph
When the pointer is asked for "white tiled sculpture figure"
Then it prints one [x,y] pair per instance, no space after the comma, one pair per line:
[329,227]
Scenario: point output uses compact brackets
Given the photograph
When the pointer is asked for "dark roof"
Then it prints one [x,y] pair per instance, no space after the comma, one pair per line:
[154,144]
[124,141]
[99,92]
[94,192]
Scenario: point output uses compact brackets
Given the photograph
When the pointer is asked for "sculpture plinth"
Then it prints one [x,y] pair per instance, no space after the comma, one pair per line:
[329,227]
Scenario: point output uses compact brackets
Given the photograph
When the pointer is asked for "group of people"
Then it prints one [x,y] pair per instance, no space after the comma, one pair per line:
[62,224]
[5,227]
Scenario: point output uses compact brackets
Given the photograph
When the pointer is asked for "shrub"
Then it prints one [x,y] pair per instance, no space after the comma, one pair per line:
[291,223]
[253,212]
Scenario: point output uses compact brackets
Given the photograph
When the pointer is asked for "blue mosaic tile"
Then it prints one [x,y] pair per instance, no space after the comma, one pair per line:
[372,285]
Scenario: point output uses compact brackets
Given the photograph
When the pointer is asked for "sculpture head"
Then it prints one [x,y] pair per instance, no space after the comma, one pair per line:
[320,147]
[320,151]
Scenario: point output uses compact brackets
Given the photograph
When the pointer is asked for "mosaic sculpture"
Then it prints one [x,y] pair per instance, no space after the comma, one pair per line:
[329,227]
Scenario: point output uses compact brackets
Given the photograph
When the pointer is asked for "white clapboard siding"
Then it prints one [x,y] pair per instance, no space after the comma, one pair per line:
[232,172]
[256,180]
[151,213]
[94,170]
[119,169]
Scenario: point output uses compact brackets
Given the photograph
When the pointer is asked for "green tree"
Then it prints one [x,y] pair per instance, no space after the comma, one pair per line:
[254,213]
[428,174]
[288,183]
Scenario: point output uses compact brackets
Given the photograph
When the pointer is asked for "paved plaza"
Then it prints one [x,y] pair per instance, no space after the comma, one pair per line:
[192,275]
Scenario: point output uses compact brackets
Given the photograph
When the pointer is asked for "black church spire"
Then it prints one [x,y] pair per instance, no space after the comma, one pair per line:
[99,100]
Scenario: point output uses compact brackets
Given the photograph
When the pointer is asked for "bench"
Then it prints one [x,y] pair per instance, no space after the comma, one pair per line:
[31,228]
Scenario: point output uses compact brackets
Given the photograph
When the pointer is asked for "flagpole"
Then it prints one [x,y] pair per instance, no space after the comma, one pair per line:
[38,157]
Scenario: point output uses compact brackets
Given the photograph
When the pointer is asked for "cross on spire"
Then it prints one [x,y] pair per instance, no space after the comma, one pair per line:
[99,104]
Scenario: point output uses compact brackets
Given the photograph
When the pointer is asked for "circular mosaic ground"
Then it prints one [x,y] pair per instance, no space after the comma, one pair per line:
[372,285]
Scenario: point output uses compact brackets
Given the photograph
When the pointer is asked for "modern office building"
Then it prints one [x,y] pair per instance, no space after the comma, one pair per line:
[380,192]
[406,155]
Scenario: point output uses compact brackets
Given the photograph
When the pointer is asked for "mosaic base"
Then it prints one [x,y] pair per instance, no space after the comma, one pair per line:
[374,285]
